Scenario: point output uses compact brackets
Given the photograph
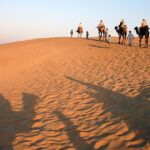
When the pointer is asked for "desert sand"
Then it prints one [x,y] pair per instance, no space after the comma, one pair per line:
[74,94]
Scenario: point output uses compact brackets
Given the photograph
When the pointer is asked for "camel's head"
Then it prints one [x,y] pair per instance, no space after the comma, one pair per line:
[116,28]
[98,28]
[136,28]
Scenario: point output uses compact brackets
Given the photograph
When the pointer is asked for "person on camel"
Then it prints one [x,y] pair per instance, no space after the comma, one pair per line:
[122,24]
[101,24]
[80,27]
[80,30]
[144,24]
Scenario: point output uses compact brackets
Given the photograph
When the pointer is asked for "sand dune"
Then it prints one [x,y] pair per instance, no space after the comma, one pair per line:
[74,94]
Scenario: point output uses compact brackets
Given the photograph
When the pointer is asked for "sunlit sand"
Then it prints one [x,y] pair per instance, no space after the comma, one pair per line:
[74,94]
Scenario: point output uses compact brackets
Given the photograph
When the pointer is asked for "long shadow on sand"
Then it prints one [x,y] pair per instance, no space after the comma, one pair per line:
[103,41]
[96,46]
[134,111]
[78,142]
[12,122]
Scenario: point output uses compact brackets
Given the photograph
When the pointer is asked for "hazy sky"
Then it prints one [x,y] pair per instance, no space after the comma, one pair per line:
[27,19]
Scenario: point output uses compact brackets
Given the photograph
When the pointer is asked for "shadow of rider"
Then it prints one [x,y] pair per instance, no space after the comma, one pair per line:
[12,123]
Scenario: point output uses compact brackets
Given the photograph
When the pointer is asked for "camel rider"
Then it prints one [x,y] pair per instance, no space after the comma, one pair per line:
[101,24]
[122,23]
[144,23]
[80,27]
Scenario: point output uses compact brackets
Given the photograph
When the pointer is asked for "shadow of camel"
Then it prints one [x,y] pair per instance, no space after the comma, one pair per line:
[78,142]
[134,111]
[12,122]
[95,46]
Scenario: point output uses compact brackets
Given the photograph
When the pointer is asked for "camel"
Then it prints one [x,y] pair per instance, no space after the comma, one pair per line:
[141,32]
[80,31]
[101,32]
[122,32]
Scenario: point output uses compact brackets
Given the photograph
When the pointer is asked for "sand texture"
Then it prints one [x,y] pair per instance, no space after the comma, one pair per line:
[74,94]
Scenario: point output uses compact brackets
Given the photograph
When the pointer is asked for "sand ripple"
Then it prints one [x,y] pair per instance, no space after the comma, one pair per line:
[74,94]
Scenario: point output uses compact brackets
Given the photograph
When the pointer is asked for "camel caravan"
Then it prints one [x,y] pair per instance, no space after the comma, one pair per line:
[121,29]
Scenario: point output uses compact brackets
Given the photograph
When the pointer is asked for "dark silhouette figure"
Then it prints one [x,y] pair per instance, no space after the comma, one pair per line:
[122,33]
[141,32]
[136,110]
[87,34]
[71,33]
[71,130]
[12,122]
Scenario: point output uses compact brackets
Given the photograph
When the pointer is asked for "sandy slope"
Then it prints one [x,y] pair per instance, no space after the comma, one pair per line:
[74,94]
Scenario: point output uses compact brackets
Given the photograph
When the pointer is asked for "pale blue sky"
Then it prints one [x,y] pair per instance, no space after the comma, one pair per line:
[27,19]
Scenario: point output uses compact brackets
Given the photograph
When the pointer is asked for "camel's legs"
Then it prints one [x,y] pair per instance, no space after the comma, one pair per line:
[119,39]
[124,40]
[103,36]
[146,42]
[100,36]
[140,42]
